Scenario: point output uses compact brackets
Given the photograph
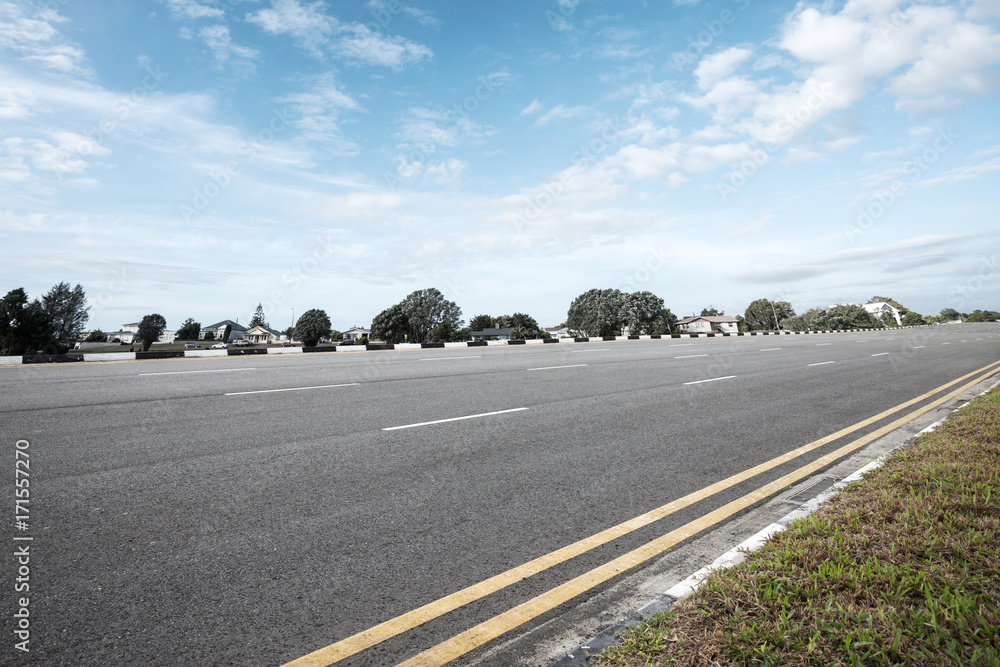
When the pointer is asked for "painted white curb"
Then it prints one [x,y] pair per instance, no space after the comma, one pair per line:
[11,361]
[107,356]
[206,353]
[283,350]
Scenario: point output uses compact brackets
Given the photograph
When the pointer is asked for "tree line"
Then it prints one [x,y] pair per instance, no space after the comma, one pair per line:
[58,318]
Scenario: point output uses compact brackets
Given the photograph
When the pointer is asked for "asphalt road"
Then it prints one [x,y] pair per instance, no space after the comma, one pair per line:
[250,510]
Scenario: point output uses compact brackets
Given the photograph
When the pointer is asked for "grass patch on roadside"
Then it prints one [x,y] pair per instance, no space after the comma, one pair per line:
[901,568]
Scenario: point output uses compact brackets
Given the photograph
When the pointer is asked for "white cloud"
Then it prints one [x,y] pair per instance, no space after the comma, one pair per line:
[16,102]
[225,52]
[317,111]
[559,112]
[423,127]
[647,163]
[36,40]
[927,56]
[359,44]
[720,65]
[307,24]
[534,107]
[319,33]
[190,9]
[446,173]
[383,12]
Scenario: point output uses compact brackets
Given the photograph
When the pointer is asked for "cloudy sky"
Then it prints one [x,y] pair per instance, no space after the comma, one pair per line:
[196,157]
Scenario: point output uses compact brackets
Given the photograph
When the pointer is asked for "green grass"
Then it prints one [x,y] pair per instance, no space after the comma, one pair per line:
[903,568]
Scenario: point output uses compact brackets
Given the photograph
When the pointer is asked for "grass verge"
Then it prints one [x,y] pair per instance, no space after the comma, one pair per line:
[901,568]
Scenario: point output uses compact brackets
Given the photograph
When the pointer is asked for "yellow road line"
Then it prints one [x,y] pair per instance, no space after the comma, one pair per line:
[475,637]
[412,619]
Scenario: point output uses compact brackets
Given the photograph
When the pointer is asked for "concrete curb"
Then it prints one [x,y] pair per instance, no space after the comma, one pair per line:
[128,356]
[587,653]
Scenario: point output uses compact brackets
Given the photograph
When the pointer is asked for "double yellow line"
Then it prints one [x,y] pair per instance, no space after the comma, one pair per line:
[466,641]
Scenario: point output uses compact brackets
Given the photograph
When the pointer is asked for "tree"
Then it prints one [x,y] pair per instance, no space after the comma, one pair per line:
[151,327]
[912,319]
[334,335]
[711,312]
[520,332]
[391,325]
[226,330]
[258,318]
[446,333]
[312,325]
[190,330]
[96,336]
[764,314]
[526,323]
[950,314]
[481,322]
[67,310]
[598,312]
[426,309]
[209,335]
[24,325]
[982,316]
[850,316]
[642,310]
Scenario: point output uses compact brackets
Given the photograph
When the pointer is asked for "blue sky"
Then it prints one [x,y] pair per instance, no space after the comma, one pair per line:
[196,157]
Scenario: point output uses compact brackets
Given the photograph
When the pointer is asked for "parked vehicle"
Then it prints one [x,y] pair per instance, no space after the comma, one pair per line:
[220,346]
[243,342]
[192,346]
[286,344]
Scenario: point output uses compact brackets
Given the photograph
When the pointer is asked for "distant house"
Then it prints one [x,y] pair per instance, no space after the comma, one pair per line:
[878,310]
[355,333]
[496,333]
[236,331]
[709,324]
[129,332]
[259,334]
[126,335]
[558,332]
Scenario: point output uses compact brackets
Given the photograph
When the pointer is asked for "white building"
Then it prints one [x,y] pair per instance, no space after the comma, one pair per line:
[355,333]
[881,308]
[709,324]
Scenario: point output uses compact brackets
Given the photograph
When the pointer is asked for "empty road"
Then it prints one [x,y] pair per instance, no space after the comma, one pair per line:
[253,510]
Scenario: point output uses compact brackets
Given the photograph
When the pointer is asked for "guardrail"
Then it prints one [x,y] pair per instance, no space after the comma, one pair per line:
[238,351]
